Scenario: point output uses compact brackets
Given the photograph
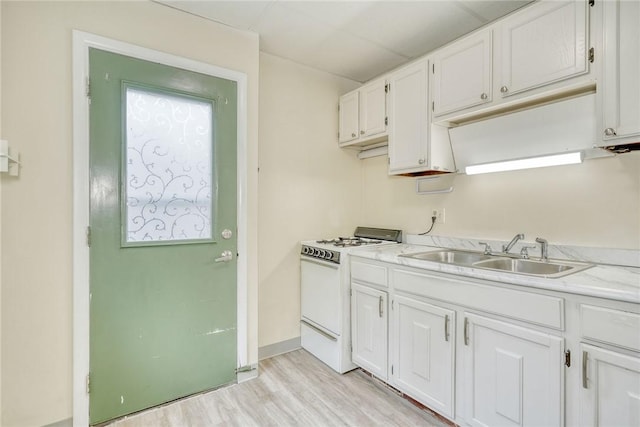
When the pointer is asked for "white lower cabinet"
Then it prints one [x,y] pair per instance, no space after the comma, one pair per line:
[423,352]
[369,329]
[513,375]
[484,353]
[610,394]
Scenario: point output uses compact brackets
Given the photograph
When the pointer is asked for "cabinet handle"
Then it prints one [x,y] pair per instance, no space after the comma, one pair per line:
[504,89]
[380,305]
[484,96]
[466,331]
[353,135]
[361,132]
[585,356]
[421,161]
[446,327]
[610,132]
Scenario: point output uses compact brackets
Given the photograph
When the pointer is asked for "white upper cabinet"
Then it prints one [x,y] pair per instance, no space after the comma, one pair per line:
[543,44]
[619,94]
[536,55]
[373,108]
[414,146]
[349,126]
[363,115]
[462,74]
[408,133]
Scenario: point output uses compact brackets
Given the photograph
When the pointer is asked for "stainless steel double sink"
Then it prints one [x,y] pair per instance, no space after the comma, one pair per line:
[501,262]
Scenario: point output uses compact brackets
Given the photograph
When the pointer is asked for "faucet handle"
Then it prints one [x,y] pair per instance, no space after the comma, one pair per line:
[487,248]
[524,252]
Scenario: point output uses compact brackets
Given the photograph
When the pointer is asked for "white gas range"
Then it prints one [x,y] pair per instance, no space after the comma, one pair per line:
[325,301]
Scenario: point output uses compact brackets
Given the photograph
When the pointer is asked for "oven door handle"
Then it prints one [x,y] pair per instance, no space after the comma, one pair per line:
[318,330]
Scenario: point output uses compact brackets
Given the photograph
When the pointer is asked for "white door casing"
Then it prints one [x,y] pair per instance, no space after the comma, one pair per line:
[82,41]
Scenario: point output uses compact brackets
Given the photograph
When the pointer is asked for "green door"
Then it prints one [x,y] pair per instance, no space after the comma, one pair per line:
[163,213]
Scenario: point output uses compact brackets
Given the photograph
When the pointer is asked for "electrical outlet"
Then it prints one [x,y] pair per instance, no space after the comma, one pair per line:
[439,214]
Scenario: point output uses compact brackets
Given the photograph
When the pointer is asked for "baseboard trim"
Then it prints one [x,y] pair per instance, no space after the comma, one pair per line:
[277,348]
[62,423]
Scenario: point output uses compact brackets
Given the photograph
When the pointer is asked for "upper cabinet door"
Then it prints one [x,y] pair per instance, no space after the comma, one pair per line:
[373,108]
[620,94]
[462,74]
[408,136]
[542,44]
[349,128]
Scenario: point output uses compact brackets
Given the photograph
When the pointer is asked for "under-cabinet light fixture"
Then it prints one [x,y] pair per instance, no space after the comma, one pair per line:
[528,163]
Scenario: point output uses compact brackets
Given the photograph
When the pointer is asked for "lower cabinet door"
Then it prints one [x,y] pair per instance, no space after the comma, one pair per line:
[423,352]
[369,329]
[513,375]
[610,388]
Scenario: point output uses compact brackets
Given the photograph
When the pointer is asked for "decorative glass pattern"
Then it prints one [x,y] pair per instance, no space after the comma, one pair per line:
[168,170]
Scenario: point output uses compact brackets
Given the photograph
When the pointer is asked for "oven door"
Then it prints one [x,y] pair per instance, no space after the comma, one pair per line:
[321,294]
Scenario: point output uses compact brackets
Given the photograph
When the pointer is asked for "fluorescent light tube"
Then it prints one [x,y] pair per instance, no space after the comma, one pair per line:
[528,163]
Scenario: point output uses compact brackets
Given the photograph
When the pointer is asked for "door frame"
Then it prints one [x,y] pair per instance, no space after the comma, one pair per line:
[82,42]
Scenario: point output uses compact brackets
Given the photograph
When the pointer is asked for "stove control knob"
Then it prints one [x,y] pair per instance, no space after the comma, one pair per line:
[316,252]
[321,253]
[329,255]
[305,250]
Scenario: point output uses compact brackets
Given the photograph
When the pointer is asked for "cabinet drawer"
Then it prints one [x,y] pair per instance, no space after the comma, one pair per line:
[611,326]
[535,308]
[369,273]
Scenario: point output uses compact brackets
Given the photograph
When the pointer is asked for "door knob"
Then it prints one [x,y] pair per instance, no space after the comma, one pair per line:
[225,256]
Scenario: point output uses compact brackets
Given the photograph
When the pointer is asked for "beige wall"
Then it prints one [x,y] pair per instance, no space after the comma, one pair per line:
[0,221]
[307,187]
[596,203]
[37,207]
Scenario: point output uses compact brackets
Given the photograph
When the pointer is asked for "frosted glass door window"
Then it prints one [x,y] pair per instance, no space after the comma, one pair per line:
[168,168]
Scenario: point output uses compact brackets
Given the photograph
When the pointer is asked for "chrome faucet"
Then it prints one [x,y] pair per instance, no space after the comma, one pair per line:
[487,248]
[513,241]
[544,249]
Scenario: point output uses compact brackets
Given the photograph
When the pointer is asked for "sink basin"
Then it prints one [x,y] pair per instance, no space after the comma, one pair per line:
[536,268]
[499,262]
[451,257]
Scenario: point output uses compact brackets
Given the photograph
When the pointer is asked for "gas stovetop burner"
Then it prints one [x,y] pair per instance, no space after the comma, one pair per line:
[343,242]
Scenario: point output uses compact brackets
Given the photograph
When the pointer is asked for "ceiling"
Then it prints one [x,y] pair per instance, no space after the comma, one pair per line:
[354,39]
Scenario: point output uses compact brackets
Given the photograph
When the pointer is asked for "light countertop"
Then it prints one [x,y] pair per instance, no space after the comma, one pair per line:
[603,281]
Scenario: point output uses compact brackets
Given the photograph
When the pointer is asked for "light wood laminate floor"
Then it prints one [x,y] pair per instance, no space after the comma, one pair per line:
[293,389]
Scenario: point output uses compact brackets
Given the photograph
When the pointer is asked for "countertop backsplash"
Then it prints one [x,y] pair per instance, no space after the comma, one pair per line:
[610,256]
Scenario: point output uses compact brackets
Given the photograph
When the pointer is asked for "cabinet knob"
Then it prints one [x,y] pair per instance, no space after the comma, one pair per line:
[421,161]
[361,132]
[504,89]
[483,96]
[353,135]
[610,132]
